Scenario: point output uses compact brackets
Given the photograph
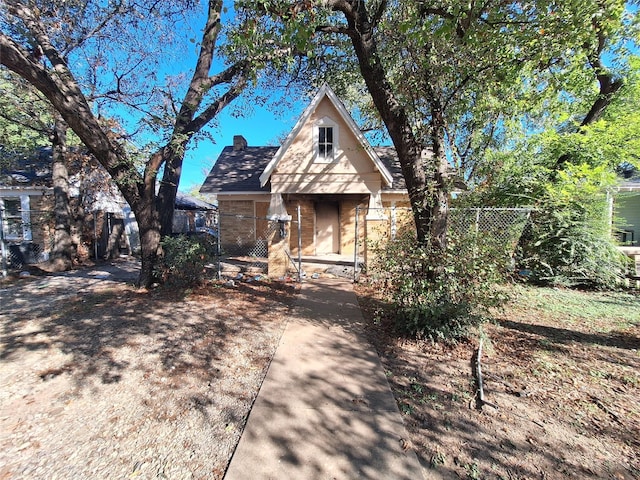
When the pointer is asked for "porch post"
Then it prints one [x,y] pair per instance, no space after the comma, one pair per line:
[278,257]
[376,224]
[279,234]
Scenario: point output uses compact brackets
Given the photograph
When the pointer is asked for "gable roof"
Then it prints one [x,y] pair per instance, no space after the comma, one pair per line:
[326,91]
[238,171]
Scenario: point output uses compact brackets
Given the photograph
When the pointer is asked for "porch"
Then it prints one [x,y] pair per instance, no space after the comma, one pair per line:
[247,267]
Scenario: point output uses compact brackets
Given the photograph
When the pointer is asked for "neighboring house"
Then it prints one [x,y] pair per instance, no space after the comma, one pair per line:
[26,200]
[107,227]
[627,216]
[627,210]
[194,215]
[325,167]
[25,187]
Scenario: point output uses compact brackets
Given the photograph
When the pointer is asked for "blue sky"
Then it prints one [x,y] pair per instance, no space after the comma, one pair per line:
[262,127]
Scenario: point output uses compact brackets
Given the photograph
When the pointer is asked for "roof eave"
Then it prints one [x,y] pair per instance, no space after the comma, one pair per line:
[325,90]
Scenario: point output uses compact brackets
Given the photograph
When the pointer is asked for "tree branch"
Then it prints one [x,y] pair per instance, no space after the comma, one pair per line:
[62,90]
[377,15]
[334,29]
[117,9]
[217,106]
[608,84]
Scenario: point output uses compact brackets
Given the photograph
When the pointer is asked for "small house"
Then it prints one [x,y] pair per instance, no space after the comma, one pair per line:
[326,169]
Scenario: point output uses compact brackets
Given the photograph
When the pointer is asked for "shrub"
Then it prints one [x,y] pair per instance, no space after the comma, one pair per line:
[184,260]
[569,242]
[440,295]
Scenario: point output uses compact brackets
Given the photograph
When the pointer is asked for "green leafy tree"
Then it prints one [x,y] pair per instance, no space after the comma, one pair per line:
[570,240]
[445,76]
[92,60]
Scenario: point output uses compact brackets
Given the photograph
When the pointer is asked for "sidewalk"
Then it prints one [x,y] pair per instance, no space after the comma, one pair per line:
[325,409]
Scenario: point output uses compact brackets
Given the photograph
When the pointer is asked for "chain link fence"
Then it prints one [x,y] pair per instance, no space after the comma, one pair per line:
[246,243]
[500,227]
[503,225]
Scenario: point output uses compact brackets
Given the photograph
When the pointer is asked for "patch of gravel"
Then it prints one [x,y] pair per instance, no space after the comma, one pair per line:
[99,380]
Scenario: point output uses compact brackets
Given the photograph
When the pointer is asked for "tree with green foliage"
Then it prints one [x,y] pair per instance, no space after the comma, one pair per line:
[92,61]
[447,78]
[567,171]
[444,75]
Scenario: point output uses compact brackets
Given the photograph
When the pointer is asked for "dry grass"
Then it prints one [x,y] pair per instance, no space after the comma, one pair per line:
[99,380]
[562,366]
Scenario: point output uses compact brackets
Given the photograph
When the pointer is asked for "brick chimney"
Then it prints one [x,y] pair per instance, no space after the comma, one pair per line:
[239,143]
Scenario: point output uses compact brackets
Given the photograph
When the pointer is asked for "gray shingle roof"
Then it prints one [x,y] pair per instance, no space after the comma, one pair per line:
[187,202]
[389,157]
[31,170]
[239,170]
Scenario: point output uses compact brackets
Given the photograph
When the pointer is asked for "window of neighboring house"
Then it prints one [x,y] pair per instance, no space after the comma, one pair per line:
[326,141]
[16,223]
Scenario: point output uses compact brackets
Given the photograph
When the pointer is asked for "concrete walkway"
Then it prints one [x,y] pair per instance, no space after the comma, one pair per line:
[325,409]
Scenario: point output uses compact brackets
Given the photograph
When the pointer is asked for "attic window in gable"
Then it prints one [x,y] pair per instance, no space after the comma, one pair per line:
[326,140]
[325,143]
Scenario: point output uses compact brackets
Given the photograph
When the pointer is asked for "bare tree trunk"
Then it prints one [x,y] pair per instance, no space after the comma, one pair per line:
[63,250]
[149,225]
[166,199]
[439,194]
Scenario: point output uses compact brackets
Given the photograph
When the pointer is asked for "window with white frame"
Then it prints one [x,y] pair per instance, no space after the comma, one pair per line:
[15,218]
[325,140]
[325,143]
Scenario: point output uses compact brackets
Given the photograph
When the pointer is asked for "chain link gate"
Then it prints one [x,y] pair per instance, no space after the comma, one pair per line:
[246,243]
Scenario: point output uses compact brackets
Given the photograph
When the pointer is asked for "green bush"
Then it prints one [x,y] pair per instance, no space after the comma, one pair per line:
[440,295]
[184,260]
[569,241]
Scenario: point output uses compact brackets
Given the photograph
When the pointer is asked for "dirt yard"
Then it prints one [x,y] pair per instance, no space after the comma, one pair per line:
[562,370]
[100,381]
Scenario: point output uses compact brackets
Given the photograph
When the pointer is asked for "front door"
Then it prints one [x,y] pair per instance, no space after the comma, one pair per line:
[327,228]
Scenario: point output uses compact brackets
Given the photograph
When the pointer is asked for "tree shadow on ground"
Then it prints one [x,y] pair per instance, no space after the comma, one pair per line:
[528,436]
[90,319]
[562,335]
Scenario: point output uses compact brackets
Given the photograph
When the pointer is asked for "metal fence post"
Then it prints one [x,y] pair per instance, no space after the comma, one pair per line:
[219,250]
[299,214]
[3,247]
[95,234]
[355,248]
